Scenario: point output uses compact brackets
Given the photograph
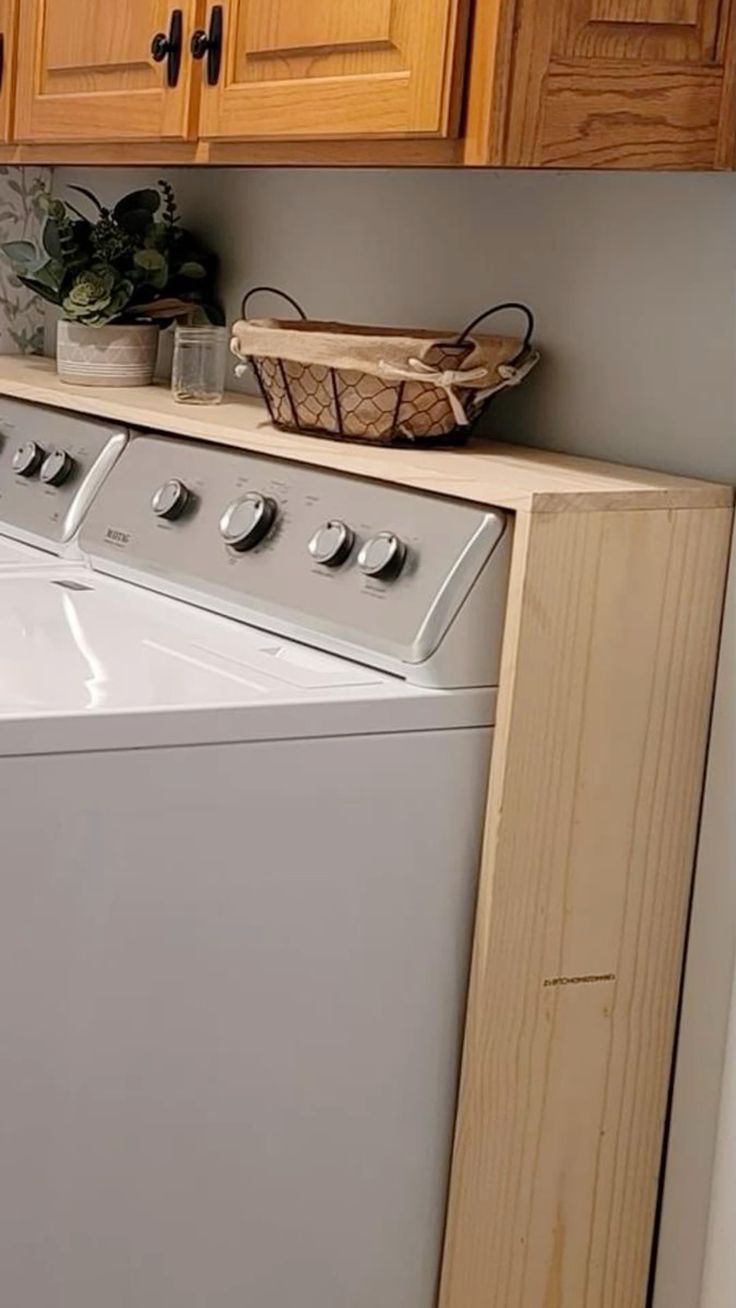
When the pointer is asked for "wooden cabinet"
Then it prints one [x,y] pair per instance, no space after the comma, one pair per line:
[8,32]
[86,73]
[336,68]
[612,83]
[516,83]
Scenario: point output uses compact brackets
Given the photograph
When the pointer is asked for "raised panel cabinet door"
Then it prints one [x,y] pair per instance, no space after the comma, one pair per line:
[618,83]
[86,71]
[8,32]
[332,68]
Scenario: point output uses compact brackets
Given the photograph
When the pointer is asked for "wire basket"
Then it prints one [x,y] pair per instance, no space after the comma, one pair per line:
[386,386]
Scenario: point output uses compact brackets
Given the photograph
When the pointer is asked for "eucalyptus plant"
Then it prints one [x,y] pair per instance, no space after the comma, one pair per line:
[129,264]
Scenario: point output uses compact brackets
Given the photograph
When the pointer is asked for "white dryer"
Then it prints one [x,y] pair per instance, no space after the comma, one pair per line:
[243,768]
[51,466]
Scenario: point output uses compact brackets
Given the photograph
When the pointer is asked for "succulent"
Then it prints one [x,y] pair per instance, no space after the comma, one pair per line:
[96,296]
[132,263]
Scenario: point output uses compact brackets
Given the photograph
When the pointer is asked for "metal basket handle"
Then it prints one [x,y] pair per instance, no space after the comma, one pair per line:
[462,339]
[271,290]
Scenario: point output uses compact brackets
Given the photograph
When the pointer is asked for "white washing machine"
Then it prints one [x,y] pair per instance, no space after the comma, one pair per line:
[51,466]
[238,886]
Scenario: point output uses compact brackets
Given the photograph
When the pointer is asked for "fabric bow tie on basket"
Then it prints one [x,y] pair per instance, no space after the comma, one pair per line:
[379,384]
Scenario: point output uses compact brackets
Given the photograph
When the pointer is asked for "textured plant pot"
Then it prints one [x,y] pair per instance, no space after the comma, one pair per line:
[106,356]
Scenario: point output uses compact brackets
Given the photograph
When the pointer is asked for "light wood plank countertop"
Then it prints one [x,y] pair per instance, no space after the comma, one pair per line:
[512,477]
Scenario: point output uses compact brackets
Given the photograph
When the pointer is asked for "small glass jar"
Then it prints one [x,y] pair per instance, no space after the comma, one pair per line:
[200,359]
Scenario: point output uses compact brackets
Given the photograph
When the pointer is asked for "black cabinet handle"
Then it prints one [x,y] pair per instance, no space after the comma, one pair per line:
[2,59]
[170,47]
[210,44]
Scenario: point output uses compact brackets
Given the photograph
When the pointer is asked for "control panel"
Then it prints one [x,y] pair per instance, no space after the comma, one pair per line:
[377,572]
[51,464]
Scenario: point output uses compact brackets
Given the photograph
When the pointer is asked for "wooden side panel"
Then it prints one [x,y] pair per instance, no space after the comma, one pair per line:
[596,780]
[614,83]
[8,35]
[335,68]
[86,72]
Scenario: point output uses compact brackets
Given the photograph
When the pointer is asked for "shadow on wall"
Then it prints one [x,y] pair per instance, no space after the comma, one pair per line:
[21,314]
[631,277]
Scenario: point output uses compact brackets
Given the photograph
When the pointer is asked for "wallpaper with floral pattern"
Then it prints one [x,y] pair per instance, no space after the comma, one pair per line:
[21,313]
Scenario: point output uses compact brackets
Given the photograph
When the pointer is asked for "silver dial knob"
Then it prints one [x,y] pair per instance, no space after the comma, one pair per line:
[171,499]
[382,556]
[28,459]
[56,467]
[248,520]
[332,544]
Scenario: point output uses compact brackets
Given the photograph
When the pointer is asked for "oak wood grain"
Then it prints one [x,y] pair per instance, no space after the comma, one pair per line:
[416,152]
[620,84]
[616,116]
[85,72]
[321,70]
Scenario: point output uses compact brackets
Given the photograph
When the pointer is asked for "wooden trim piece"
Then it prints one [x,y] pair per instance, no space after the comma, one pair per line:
[513,477]
[453,82]
[606,686]
[726,147]
[10,71]
[489,81]
[418,153]
[113,154]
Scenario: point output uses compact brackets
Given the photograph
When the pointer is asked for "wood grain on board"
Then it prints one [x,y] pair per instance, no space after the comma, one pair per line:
[512,477]
[599,752]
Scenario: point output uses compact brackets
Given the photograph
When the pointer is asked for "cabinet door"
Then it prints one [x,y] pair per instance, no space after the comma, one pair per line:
[621,83]
[8,17]
[336,68]
[86,73]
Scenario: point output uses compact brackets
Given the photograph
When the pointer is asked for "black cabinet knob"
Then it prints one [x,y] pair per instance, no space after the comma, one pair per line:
[209,44]
[169,47]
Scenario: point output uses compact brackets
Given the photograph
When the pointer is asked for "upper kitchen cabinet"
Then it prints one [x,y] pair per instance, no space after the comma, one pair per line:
[86,71]
[311,69]
[508,83]
[604,83]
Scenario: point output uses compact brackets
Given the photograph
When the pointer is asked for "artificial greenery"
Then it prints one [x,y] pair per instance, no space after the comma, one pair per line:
[132,263]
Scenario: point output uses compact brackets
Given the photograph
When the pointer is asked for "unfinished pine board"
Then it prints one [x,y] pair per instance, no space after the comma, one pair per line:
[605,693]
[508,476]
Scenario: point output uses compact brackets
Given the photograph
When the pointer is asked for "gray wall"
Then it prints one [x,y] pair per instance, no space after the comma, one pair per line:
[632,277]
[633,280]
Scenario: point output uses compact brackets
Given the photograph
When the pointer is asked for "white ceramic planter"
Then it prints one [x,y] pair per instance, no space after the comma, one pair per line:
[106,356]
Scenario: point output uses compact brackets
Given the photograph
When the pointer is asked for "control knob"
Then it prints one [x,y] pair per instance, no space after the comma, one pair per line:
[56,467]
[248,520]
[382,556]
[28,459]
[332,544]
[171,499]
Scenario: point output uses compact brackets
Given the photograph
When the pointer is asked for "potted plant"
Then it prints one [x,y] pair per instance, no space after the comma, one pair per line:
[117,277]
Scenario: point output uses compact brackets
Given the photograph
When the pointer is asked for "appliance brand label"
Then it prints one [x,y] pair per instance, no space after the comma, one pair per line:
[116,537]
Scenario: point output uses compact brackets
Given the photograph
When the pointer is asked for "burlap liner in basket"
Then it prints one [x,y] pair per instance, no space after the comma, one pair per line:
[375,383]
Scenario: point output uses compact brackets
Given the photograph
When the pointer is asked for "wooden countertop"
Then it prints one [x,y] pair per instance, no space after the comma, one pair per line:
[512,477]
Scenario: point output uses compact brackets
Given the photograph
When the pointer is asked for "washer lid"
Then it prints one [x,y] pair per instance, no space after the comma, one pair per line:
[14,555]
[91,662]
